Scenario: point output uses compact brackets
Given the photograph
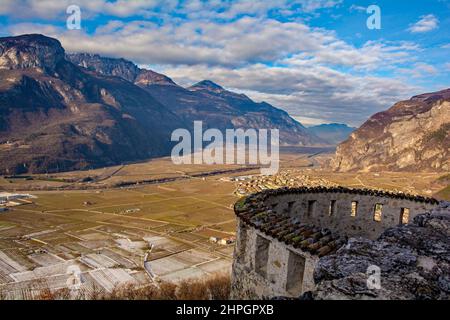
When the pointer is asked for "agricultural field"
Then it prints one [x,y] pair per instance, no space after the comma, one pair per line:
[117,236]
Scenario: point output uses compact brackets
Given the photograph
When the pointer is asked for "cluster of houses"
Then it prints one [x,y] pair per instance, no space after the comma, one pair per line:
[222,241]
[288,178]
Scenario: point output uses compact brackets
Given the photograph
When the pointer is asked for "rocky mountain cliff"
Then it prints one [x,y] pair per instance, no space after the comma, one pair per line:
[412,135]
[119,68]
[57,116]
[205,101]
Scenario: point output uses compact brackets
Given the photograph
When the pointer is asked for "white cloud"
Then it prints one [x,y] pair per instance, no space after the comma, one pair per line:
[313,5]
[50,9]
[355,7]
[425,24]
[419,70]
[217,9]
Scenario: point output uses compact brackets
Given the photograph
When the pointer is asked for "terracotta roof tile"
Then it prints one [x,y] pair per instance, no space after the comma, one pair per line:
[292,232]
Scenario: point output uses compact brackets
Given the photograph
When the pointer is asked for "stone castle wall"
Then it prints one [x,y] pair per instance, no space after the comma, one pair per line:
[341,220]
[265,266]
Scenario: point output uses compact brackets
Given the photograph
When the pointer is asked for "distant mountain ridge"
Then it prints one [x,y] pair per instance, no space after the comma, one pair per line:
[413,135]
[334,133]
[63,112]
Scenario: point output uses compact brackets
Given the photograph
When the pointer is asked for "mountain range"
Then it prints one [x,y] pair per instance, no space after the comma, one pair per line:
[74,111]
[63,111]
[205,101]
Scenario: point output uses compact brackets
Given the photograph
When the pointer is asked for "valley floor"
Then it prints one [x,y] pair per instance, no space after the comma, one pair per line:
[156,227]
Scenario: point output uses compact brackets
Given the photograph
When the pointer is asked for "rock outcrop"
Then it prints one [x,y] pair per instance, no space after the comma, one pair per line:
[412,135]
[33,51]
[414,261]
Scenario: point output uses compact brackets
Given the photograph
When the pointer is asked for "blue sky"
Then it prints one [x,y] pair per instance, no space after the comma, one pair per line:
[314,58]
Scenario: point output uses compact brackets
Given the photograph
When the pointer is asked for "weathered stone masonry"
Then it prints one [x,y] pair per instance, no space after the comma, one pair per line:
[283,233]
